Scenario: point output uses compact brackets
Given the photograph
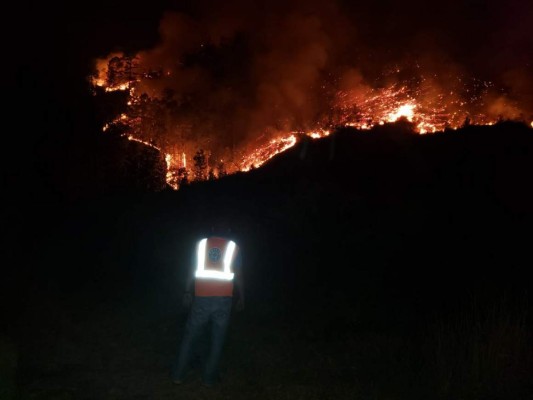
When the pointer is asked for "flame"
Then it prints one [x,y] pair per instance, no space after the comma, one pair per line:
[405,110]
[123,86]
[427,108]
[264,153]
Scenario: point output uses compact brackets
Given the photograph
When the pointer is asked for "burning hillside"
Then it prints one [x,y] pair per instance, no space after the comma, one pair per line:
[228,88]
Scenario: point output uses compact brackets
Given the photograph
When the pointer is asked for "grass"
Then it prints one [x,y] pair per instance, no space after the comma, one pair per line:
[8,368]
[123,350]
[483,352]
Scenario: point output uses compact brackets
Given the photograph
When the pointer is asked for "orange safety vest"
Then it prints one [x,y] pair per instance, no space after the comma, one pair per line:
[214,272]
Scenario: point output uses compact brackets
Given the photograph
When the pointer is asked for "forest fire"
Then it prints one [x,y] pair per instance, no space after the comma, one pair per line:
[363,110]
[227,88]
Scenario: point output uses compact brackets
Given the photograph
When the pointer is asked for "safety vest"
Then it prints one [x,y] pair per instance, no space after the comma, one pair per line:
[214,272]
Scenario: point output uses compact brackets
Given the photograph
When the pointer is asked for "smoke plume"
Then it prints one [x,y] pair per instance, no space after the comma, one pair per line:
[229,76]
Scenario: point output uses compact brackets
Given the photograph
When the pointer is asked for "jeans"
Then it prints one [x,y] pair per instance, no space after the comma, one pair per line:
[206,312]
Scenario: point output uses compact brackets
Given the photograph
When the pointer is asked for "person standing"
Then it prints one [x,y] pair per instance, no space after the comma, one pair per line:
[216,279]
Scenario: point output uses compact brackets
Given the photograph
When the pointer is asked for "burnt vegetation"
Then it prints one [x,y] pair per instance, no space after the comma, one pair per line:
[379,264]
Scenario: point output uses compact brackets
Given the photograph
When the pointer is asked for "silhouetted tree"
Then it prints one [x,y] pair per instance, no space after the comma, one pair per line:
[145,169]
[222,169]
[200,165]
[183,176]
[120,70]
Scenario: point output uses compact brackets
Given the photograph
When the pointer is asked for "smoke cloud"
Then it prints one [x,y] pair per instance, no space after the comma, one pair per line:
[234,74]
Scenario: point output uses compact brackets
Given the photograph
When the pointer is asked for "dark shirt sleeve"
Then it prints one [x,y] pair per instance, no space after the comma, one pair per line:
[237,263]
[194,259]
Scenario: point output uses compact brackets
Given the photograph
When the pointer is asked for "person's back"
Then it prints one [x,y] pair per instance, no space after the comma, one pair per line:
[217,275]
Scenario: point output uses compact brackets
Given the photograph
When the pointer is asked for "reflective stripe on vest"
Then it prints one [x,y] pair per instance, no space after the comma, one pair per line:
[225,275]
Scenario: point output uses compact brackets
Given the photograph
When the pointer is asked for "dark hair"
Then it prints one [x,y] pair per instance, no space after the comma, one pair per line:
[220,224]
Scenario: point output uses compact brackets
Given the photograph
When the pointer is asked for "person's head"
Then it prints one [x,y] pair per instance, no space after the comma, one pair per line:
[220,225]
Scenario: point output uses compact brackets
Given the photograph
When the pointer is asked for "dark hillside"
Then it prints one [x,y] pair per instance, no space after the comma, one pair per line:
[360,251]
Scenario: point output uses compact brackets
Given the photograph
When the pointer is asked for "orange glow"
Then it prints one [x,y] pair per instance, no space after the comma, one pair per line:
[406,110]
[264,153]
[123,86]
[429,109]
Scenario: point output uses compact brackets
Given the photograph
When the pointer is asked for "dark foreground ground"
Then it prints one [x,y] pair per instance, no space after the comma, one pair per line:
[395,284]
